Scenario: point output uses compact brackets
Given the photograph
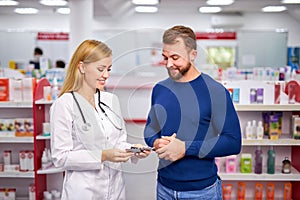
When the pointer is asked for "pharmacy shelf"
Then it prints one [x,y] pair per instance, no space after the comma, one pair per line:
[43,102]
[16,139]
[264,107]
[17,104]
[50,170]
[16,174]
[268,142]
[278,176]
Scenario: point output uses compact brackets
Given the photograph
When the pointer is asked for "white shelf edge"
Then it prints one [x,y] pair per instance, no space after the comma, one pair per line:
[15,104]
[267,107]
[278,176]
[50,170]
[16,139]
[42,137]
[42,102]
[268,142]
[17,174]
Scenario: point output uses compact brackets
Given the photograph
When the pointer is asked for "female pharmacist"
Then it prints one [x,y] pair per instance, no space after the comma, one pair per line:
[88,136]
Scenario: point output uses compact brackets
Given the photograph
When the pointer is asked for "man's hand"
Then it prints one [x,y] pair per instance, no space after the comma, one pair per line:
[173,151]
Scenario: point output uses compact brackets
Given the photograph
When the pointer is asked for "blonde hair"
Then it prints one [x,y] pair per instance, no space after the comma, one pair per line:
[87,52]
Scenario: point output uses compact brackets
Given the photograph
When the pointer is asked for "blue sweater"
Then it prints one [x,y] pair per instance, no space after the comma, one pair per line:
[202,115]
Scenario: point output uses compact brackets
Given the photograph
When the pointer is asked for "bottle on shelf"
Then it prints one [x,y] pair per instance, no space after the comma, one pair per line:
[271,161]
[55,89]
[44,159]
[258,160]
[260,130]
[254,127]
[286,166]
[249,130]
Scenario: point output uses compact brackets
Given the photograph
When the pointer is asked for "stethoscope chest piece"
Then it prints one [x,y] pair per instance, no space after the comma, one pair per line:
[86,126]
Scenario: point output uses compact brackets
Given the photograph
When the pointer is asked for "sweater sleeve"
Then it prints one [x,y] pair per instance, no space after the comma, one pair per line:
[223,137]
[152,128]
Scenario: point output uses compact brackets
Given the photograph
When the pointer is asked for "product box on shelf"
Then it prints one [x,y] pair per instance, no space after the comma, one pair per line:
[23,127]
[15,89]
[28,85]
[4,89]
[246,163]
[8,193]
[7,128]
[295,126]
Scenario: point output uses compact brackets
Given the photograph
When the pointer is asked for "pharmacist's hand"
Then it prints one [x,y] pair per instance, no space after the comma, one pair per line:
[142,154]
[163,141]
[175,150]
[116,155]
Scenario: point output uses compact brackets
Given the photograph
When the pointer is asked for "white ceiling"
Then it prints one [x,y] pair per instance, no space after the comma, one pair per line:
[109,8]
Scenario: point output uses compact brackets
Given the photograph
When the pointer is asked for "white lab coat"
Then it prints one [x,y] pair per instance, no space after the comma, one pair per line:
[79,152]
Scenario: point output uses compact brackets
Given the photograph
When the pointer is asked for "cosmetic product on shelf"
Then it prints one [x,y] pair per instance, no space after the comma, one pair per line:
[287,193]
[246,163]
[254,129]
[286,166]
[258,160]
[231,164]
[271,161]
[241,191]
[260,131]
[270,193]
[259,191]
[227,190]
[260,95]
[248,130]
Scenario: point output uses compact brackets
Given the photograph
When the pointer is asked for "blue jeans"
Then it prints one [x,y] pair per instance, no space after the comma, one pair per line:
[213,192]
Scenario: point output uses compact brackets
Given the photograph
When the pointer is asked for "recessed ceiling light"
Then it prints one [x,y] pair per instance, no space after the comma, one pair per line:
[146,9]
[26,10]
[206,9]
[64,11]
[53,2]
[145,2]
[8,3]
[290,1]
[219,2]
[274,9]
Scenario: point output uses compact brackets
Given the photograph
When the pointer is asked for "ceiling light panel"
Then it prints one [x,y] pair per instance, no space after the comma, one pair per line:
[53,2]
[26,11]
[290,1]
[145,2]
[207,9]
[219,2]
[146,9]
[8,3]
[64,11]
[274,9]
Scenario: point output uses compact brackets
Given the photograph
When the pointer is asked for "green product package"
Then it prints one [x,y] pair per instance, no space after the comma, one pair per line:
[246,163]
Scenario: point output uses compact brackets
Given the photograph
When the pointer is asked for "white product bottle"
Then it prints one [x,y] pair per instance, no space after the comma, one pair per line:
[254,127]
[44,159]
[55,89]
[249,130]
[260,131]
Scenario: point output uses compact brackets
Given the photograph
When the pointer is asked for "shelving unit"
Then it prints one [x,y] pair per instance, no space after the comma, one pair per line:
[285,145]
[16,179]
[40,112]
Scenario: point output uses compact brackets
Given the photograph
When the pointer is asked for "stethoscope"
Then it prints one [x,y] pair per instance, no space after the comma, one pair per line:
[87,126]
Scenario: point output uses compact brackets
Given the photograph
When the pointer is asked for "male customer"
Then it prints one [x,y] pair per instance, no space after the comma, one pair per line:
[191,121]
[37,53]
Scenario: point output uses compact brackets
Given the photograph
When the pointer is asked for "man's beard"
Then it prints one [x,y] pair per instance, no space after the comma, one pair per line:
[181,72]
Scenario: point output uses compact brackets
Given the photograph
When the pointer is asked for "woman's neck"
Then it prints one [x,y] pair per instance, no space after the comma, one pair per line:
[88,94]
